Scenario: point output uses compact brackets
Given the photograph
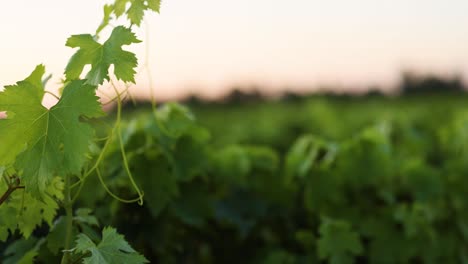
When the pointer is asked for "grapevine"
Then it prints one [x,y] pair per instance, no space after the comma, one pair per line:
[45,153]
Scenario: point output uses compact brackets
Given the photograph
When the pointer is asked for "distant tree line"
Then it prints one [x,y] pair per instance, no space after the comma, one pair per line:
[411,84]
[414,84]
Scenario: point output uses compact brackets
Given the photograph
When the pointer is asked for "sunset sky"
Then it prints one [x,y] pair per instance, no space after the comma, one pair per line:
[207,46]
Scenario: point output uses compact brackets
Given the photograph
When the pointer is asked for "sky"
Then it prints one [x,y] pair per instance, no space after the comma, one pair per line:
[208,46]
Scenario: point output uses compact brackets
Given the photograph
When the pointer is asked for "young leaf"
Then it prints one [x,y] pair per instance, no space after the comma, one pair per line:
[154,5]
[113,249]
[101,57]
[136,10]
[83,215]
[82,219]
[106,19]
[43,141]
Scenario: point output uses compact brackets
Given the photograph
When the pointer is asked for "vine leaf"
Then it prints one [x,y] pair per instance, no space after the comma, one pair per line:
[23,212]
[136,10]
[108,9]
[82,221]
[112,249]
[102,56]
[42,142]
[21,252]
[83,215]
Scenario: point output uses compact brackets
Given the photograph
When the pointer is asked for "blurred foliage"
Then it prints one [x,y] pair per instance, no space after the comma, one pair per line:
[362,180]
[316,180]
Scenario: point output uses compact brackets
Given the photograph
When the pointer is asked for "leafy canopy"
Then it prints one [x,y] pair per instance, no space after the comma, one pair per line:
[113,249]
[45,141]
[102,56]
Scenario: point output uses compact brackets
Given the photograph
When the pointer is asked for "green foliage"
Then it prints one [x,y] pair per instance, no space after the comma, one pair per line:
[111,249]
[46,153]
[386,194]
[24,212]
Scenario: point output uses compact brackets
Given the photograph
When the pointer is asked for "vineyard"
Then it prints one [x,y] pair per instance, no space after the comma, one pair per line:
[318,179]
[363,180]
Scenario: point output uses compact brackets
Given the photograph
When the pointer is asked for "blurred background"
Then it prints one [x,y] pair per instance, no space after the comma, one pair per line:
[209,47]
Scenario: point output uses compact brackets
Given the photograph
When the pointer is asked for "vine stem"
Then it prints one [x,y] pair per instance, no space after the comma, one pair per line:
[122,147]
[68,204]
[13,185]
[8,193]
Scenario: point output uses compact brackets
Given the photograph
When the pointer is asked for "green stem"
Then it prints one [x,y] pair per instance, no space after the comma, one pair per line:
[122,147]
[68,204]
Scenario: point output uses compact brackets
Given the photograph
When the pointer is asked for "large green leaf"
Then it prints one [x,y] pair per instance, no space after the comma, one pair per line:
[44,141]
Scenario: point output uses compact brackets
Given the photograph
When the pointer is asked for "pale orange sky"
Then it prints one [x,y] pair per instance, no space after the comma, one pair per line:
[206,46]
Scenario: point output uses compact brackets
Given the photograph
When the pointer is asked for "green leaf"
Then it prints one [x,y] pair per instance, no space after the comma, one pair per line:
[106,19]
[158,183]
[82,219]
[46,142]
[307,152]
[154,5]
[23,106]
[101,57]
[136,9]
[113,249]
[175,121]
[301,157]
[120,6]
[25,212]
[337,242]
[21,252]
[136,12]
[83,215]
